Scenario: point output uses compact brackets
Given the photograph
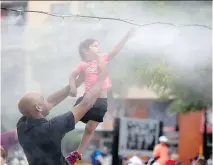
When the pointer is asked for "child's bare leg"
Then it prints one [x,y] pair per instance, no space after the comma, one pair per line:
[89,129]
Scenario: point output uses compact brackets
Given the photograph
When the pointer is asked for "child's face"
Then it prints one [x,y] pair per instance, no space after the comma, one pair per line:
[94,49]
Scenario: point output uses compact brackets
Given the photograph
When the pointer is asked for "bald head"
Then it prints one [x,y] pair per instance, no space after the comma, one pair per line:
[32,104]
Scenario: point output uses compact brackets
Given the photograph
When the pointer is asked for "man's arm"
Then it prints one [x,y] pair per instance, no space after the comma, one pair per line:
[120,45]
[57,97]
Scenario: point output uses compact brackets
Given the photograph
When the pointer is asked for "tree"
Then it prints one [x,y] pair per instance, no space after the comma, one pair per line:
[184,87]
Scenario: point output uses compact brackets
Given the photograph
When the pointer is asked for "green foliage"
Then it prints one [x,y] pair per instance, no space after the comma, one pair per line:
[191,90]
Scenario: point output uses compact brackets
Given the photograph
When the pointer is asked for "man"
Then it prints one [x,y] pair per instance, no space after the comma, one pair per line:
[174,160]
[161,153]
[97,157]
[135,160]
[41,139]
[209,161]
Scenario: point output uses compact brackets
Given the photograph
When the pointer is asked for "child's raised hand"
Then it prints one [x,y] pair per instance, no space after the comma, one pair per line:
[131,32]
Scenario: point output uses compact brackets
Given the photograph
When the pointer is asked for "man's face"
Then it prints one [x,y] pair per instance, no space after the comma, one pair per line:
[105,150]
[42,106]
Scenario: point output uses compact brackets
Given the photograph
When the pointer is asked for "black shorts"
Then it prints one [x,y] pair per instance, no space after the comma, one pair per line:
[97,112]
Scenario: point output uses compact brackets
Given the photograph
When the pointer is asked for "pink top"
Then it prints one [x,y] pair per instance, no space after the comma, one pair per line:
[91,72]
[162,152]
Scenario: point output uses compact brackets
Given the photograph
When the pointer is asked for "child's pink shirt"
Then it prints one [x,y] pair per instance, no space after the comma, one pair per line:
[90,70]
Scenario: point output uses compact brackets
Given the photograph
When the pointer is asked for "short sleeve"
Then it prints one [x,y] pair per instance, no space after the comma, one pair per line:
[60,125]
[97,154]
[80,67]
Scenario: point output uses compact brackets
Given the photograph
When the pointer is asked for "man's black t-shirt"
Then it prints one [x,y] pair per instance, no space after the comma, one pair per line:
[41,139]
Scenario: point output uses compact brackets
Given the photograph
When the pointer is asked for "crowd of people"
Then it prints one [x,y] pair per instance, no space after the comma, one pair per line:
[161,156]
[12,154]
[11,151]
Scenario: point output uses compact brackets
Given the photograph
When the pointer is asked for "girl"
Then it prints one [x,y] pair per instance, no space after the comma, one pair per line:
[91,55]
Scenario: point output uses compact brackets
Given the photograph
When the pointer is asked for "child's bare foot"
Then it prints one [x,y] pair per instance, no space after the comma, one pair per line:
[73,157]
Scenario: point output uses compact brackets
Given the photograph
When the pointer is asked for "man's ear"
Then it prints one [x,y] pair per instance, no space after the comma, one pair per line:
[38,108]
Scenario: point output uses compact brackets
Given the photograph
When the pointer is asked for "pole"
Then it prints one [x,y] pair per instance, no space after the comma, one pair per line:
[115,156]
[205,154]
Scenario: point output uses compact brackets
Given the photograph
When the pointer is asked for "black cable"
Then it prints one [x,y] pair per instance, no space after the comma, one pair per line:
[106,18]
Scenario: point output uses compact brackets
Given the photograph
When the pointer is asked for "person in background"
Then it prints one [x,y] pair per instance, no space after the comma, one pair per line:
[161,153]
[209,161]
[3,156]
[150,161]
[122,160]
[135,160]
[107,156]
[8,139]
[194,159]
[97,158]
[200,161]
[173,160]
[17,155]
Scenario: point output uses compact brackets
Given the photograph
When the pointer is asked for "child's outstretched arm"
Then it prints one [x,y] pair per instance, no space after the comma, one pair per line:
[121,44]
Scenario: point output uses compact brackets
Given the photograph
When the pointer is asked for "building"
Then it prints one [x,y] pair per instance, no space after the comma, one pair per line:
[61,7]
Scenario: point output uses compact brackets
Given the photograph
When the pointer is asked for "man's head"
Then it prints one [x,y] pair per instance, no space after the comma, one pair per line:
[33,105]
[163,140]
[88,49]
[105,150]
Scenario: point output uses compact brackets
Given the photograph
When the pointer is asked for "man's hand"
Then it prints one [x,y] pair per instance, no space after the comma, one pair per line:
[73,91]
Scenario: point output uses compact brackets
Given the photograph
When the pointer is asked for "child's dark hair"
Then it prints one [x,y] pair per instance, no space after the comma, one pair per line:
[84,47]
